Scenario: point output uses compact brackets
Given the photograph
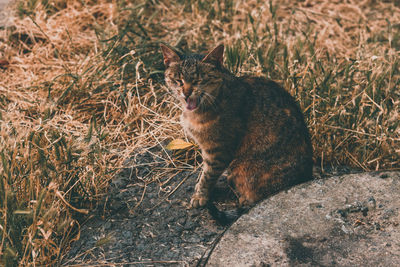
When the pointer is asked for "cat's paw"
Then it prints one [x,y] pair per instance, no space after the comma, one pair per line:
[198,200]
[246,202]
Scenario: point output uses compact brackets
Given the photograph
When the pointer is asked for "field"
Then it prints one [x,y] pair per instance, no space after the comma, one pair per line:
[81,90]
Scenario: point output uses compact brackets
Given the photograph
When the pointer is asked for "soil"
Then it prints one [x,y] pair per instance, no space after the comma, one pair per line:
[147,222]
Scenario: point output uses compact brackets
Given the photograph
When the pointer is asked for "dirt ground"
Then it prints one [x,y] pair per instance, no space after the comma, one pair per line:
[151,225]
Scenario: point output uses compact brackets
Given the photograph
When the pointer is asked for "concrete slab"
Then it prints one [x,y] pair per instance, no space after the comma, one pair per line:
[352,220]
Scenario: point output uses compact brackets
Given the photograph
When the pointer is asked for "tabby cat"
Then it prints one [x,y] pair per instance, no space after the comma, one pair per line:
[249,126]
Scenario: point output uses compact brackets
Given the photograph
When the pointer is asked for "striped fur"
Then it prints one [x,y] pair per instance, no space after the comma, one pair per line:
[249,126]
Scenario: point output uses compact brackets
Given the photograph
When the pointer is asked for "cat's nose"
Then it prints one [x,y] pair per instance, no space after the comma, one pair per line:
[187,89]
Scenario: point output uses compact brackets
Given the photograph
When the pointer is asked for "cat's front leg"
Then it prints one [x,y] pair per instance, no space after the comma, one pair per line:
[211,172]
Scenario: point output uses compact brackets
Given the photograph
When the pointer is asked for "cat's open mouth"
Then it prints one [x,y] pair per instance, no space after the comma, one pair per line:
[192,102]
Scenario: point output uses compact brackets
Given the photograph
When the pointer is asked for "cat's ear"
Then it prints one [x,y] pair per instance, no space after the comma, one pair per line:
[170,55]
[217,54]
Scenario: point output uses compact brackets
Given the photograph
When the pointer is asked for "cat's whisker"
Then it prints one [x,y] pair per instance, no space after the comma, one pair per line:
[210,99]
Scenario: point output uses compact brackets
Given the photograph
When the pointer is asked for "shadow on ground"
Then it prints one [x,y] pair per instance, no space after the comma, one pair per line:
[147,223]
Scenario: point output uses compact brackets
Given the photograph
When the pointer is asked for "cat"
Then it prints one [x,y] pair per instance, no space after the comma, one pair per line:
[249,126]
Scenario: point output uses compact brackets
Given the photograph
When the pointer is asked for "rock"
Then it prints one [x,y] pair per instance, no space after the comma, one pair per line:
[352,220]
[127,234]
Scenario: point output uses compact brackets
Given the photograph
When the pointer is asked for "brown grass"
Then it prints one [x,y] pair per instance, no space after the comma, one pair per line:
[83,91]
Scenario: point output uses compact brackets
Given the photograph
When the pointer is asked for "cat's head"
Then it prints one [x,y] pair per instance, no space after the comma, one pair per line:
[194,79]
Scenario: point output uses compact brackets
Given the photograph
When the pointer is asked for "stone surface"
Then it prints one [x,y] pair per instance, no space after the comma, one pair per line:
[352,220]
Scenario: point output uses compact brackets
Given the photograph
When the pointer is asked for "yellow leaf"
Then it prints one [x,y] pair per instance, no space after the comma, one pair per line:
[178,144]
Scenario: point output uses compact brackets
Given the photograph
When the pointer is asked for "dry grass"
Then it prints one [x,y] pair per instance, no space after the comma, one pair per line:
[83,91]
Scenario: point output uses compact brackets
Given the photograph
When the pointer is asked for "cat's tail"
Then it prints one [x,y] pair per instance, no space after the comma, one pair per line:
[225,218]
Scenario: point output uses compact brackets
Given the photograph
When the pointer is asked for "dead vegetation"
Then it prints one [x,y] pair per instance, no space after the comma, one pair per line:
[81,89]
